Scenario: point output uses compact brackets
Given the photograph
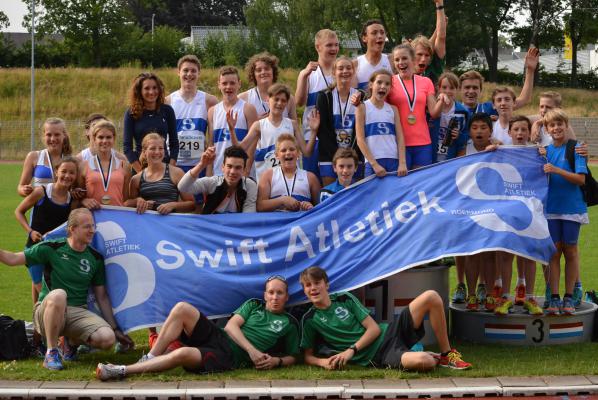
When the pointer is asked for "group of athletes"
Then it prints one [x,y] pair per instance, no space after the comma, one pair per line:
[190,152]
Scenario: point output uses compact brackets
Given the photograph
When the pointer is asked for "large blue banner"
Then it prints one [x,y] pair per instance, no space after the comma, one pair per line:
[487,201]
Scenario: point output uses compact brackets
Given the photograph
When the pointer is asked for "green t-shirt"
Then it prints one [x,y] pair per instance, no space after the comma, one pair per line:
[65,268]
[435,69]
[338,327]
[275,334]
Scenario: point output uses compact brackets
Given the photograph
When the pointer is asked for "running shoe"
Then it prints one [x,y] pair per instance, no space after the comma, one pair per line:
[491,303]
[460,293]
[472,303]
[106,372]
[568,308]
[120,348]
[143,358]
[504,307]
[554,306]
[577,294]
[453,360]
[532,307]
[520,295]
[497,292]
[67,351]
[481,294]
[52,360]
[547,295]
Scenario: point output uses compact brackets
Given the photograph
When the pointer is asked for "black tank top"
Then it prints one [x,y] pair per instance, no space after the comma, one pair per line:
[161,191]
[47,215]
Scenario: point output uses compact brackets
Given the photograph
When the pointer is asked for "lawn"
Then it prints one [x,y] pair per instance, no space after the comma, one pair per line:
[488,360]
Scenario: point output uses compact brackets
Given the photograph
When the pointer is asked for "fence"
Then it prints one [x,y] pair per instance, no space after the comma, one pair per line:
[15,136]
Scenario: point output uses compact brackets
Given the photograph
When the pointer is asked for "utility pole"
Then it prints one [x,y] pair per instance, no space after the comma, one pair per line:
[32,146]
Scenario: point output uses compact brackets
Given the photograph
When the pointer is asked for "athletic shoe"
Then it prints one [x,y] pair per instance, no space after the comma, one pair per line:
[106,372]
[143,358]
[120,348]
[67,351]
[568,308]
[547,295]
[472,303]
[481,294]
[520,295]
[554,307]
[504,307]
[152,339]
[460,293]
[532,307]
[491,303]
[577,294]
[453,360]
[497,292]
[52,360]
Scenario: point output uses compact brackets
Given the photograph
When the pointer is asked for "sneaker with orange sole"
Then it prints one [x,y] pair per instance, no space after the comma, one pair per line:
[472,303]
[453,360]
[520,295]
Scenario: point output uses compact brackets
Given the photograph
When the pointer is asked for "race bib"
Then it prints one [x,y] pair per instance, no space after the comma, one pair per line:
[191,146]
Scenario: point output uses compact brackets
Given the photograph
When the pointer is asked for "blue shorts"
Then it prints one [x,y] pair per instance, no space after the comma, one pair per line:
[389,164]
[36,272]
[311,163]
[564,231]
[198,197]
[327,170]
[419,156]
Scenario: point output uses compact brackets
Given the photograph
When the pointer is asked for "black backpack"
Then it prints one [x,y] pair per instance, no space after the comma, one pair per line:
[13,339]
[590,188]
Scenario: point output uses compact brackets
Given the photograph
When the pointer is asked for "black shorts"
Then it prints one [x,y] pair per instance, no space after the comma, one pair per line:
[400,337]
[216,354]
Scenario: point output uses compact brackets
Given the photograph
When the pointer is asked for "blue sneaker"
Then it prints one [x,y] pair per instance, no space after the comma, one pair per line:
[568,307]
[554,307]
[417,347]
[52,360]
[68,352]
[547,294]
[460,293]
[577,294]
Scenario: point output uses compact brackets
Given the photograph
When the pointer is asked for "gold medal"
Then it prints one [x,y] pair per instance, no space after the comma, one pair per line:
[106,199]
[411,119]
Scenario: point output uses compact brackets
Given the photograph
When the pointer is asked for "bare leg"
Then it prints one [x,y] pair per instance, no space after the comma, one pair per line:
[103,338]
[571,266]
[35,289]
[555,269]
[530,276]
[471,266]
[430,302]
[182,317]
[185,356]
[54,310]
[488,267]
[505,265]
[460,264]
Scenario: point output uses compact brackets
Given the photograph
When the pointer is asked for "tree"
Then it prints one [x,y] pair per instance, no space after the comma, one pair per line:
[93,29]
[4,22]
[582,26]
[544,28]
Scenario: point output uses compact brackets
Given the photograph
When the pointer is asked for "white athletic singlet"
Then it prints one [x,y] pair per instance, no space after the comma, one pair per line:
[296,187]
[191,126]
[500,133]
[221,133]
[315,83]
[261,105]
[365,69]
[343,118]
[470,148]
[545,138]
[86,154]
[264,152]
[380,135]
[43,172]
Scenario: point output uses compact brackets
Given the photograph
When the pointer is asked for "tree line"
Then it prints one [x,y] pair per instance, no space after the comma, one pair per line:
[112,33]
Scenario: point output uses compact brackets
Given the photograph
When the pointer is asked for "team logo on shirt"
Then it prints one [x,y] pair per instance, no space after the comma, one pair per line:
[341,313]
[84,265]
[64,256]
[276,326]
[323,318]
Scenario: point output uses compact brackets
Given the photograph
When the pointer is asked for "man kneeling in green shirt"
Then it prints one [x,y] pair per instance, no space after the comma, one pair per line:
[260,333]
[71,266]
[341,323]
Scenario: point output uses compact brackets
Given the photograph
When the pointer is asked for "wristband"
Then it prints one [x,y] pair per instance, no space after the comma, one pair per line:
[279,362]
[438,8]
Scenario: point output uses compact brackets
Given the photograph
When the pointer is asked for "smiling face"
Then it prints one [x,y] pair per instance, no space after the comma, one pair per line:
[447,88]
[188,74]
[154,151]
[104,140]
[374,38]
[83,229]
[316,291]
[66,174]
[546,104]
[263,73]
[557,129]
[403,62]
[480,133]
[345,169]
[519,132]
[343,72]
[327,48]
[276,296]
[229,86]
[503,102]
[53,136]
[287,153]
[471,90]
[150,91]
[232,170]
[278,103]
[380,86]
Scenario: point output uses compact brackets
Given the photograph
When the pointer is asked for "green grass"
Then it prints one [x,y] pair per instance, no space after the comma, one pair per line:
[488,360]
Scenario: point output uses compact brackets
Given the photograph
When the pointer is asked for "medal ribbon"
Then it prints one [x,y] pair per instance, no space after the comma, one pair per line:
[410,101]
[105,179]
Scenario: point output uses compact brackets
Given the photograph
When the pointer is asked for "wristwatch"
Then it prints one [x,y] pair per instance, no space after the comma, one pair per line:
[353,347]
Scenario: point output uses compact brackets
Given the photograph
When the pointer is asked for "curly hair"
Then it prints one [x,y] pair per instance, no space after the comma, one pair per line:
[135,98]
[268,59]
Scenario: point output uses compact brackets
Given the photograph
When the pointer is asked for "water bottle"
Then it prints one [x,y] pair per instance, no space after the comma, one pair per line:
[448,138]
